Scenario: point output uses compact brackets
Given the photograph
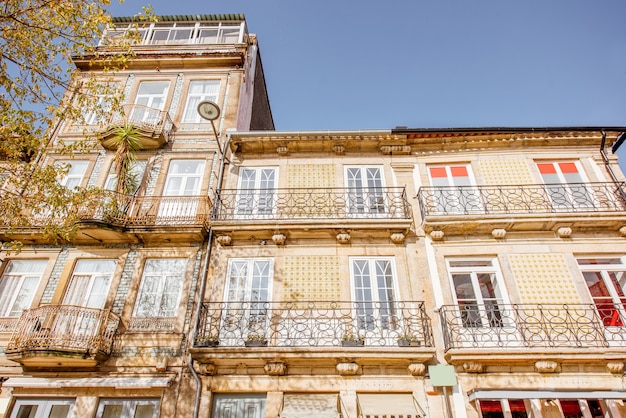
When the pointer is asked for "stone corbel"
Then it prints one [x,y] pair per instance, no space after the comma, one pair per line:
[343,237]
[397,237]
[275,368]
[615,367]
[347,368]
[282,150]
[564,232]
[417,369]
[472,367]
[206,369]
[224,240]
[499,233]
[546,366]
[279,239]
[339,149]
[436,235]
[395,149]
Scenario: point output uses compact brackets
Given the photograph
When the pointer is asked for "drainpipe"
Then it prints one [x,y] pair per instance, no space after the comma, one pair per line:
[605,158]
[205,262]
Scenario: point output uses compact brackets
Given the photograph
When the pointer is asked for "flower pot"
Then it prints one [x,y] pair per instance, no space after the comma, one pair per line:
[207,344]
[256,343]
[353,343]
[408,343]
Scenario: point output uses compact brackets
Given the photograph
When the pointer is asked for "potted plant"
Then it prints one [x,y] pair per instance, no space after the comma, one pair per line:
[207,341]
[349,339]
[408,340]
[256,340]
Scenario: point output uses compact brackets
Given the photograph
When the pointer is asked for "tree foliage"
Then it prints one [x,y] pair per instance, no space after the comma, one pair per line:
[39,89]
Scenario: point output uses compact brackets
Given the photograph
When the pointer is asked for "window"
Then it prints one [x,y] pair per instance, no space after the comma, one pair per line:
[126,408]
[497,408]
[199,90]
[246,405]
[256,193]
[89,284]
[135,176]
[452,194]
[606,281]
[374,291]
[365,190]
[178,33]
[565,185]
[184,178]
[161,285]
[75,173]
[43,408]
[151,97]
[248,288]
[18,284]
[478,293]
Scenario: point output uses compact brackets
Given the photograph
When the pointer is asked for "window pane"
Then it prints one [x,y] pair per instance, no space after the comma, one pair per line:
[112,411]
[144,411]
[59,411]
[27,411]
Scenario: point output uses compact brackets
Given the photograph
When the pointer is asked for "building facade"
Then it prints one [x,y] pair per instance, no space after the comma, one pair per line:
[255,273]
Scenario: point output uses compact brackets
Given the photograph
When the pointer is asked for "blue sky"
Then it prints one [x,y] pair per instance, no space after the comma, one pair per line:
[344,64]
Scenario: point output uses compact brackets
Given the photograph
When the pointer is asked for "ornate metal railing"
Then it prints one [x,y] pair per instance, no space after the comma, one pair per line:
[65,328]
[532,326]
[323,203]
[145,118]
[128,211]
[522,199]
[313,324]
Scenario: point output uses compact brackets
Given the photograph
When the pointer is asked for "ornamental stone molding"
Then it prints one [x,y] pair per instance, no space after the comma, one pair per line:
[347,369]
[417,369]
[161,364]
[499,233]
[206,369]
[224,240]
[395,149]
[339,149]
[615,367]
[282,150]
[275,368]
[564,232]
[279,239]
[343,238]
[472,367]
[622,231]
[397,237]
[436,235]
[546,366]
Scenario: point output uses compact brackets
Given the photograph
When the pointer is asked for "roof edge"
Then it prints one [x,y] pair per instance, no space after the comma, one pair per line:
[186,18]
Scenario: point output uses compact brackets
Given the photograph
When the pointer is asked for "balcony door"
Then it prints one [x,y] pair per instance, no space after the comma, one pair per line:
[365,192]
[151,98]
[181,192]
[375,299]
[606,281]
[452,194]
[256,194]
[245,405]
[565,185]
[248,289]
[88,288]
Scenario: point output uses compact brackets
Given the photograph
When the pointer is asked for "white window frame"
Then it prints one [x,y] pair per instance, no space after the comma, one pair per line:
[77,170]
[256,201]
[176,273]
[190,114]
[563,194]
[181,210]
[84,293]
[605,271]
[148,113]
[473,272]
[8,300]
[386,319]
[129,405]
[368,199]
[449,198]
[44,406]
[230,405]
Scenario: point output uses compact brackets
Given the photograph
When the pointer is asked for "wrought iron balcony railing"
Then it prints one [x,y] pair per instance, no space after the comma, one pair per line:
[64,328]
[503,326]
[522,199]
[154,125]
[313,324]
[148,211]
[306,204]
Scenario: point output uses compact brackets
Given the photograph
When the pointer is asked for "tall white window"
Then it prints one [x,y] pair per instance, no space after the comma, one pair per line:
[452,195]
[76,171]
[373,286]
[43,408]
[365,190]
[248,288]
[257,190]
[90,282]
[247,405]
[151,95]
[184,178]
[18,284]
[565,184]
[123,408]
[161,286]
[606,281]
[135,174]
[199,90]
[478,292]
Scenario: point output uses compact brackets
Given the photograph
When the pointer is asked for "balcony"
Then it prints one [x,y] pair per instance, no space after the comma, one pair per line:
[581,206]
[63,336]
[154,126]
[381,208]
[314,332]
[499,332]
[114,217]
